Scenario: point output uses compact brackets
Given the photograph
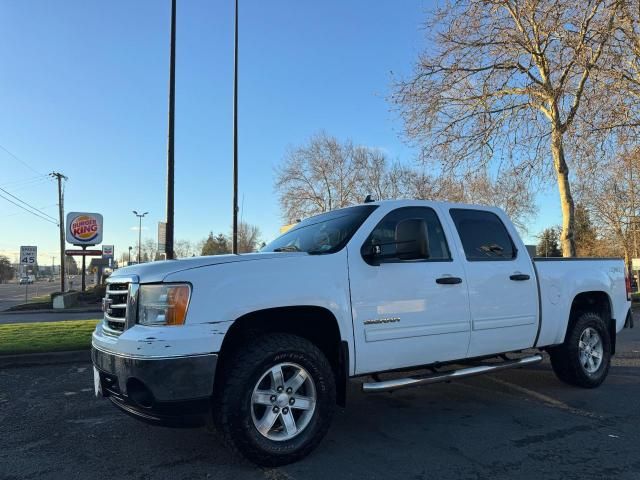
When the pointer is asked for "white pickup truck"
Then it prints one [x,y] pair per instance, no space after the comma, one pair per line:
[267,342]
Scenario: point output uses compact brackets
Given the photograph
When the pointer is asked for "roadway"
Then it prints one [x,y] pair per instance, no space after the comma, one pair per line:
[521,424]
[12,294]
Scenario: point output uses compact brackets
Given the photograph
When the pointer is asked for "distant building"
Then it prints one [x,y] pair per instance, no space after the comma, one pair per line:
[101,266]
[162,238]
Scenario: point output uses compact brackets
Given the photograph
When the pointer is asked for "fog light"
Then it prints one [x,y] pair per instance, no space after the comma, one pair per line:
[139,394]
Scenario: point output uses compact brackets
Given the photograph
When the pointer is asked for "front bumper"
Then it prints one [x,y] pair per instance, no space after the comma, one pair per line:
[170,391]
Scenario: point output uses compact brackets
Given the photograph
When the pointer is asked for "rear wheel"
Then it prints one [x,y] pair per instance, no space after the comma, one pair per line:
[584,358]
[277,399]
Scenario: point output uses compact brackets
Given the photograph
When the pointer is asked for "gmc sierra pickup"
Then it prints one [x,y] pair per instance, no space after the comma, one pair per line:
[267,342]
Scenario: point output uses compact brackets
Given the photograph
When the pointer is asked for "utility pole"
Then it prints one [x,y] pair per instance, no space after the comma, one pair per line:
[170,140]
[235,136]
[61,177]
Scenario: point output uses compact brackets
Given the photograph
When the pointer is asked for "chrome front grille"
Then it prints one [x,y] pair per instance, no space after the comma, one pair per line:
[120,304]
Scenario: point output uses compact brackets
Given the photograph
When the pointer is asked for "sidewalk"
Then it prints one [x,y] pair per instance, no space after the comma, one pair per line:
[51,310]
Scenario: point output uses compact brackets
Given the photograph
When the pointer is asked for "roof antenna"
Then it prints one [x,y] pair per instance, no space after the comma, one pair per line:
[368,199]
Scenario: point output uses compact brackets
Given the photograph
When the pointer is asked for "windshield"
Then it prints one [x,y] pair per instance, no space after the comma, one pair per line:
[324,233]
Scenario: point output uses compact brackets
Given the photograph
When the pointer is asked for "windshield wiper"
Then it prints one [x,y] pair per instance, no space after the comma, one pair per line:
[288,248]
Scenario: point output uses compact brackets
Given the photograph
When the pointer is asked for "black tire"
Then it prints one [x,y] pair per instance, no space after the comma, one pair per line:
[232,404]
[565,358]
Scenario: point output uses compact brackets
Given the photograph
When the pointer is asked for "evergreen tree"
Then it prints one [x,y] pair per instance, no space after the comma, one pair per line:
[217,245]
[548,244]
[585,233]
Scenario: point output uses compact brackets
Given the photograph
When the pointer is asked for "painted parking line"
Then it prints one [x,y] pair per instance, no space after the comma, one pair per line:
[545,399]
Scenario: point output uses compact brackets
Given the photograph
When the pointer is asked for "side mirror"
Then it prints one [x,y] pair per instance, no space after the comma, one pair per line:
[411,242]
[412,239]
[372,254]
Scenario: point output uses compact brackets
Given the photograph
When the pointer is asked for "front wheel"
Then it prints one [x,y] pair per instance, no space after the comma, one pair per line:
[584,358]
[277,399]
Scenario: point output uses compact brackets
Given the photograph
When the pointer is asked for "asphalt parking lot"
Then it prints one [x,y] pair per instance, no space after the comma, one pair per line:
[515,424]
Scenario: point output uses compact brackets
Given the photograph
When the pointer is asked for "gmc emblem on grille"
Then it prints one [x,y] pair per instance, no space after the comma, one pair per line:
[106,305]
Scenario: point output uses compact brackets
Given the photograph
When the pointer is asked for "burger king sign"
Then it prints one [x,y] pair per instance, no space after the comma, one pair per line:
[84,228]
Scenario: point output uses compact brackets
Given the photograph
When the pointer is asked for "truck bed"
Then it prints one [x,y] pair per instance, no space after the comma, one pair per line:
[562,278]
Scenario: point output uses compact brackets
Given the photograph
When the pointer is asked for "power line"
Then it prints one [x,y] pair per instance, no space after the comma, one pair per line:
[32,213]
[24,181]
[21,213]
[29,205]
[29,186]
[22,161]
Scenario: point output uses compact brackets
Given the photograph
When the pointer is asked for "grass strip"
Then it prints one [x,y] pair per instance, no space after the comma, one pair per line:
[42,337]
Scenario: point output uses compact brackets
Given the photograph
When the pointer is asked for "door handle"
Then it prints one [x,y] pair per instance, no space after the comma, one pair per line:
[448,280]
[519,277]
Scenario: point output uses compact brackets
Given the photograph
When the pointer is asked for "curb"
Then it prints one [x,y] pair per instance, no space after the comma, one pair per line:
[50,310]
[40,359]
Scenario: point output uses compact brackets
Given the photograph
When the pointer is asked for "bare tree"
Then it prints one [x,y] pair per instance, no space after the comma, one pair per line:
[325,174]
[309,184]
[509,191]
[608,189]
[621,71]
[504,83]
[185,248]
[248,237]
[378,177]
[318,177]
[149,251]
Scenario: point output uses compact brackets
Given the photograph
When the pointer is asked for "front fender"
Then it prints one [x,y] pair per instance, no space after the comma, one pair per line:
[226,292]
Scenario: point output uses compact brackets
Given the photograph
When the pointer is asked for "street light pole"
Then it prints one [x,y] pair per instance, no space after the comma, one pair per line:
[140,217]
[129,255]
[170,139]
[234,241]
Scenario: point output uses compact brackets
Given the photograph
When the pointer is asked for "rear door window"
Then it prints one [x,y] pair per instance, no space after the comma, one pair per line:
[483,235]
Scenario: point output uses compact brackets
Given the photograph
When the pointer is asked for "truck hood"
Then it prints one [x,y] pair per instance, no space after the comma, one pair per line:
[157,271]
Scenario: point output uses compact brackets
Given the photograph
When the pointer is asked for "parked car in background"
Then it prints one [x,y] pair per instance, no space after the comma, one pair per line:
[266,342]
[26,280]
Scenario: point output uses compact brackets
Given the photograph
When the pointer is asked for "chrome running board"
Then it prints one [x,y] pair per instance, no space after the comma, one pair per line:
[398,383]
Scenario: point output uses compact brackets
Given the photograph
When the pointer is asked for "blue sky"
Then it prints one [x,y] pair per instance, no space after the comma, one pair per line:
[83,91]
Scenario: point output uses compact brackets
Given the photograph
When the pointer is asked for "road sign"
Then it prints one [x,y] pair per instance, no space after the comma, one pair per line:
[107,251]
[28,255]
[84,228]
[85,253]
[635,264]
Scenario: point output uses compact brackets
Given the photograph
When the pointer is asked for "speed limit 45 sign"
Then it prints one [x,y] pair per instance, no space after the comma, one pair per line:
[28,255]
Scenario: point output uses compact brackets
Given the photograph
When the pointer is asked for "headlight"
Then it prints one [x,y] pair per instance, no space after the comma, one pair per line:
[163,304]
